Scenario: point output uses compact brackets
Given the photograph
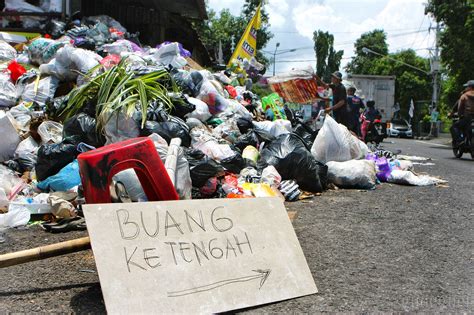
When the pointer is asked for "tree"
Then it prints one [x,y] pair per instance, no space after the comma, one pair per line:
[219,28]
[327,59]
[224,27]
[363,63]
[409,83]
[457,46]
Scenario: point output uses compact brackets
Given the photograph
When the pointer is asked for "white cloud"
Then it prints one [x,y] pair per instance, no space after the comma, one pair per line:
[294,21]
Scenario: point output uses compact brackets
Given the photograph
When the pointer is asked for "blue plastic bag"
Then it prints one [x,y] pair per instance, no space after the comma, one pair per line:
[67,178]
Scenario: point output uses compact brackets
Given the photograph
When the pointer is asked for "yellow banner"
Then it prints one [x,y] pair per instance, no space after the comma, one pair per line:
[247,47]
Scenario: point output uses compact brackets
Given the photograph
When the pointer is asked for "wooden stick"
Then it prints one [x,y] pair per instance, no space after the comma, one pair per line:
[44,252]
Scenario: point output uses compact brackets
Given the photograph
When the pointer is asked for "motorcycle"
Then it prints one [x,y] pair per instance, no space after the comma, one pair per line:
[372,131]
[467,145]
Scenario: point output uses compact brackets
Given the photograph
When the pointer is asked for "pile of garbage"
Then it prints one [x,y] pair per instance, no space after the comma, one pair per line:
[91,84]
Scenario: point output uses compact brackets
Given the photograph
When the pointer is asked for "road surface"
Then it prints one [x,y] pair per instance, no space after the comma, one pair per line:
[394,249]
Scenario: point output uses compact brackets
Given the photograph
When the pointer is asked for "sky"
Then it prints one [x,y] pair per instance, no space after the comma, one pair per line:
[293,22]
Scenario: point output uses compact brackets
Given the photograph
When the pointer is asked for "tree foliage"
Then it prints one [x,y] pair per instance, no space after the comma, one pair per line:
[225,27]
[362,63]
[409,83]
[328,60]
[456,41]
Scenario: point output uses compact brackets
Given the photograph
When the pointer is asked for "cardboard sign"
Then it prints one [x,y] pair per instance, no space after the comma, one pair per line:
[196,256]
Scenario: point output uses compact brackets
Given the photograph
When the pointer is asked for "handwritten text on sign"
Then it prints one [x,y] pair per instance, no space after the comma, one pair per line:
[196,256]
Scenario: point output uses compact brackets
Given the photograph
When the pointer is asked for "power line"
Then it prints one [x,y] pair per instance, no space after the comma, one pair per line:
[416,37]
[345,43]
[351,32]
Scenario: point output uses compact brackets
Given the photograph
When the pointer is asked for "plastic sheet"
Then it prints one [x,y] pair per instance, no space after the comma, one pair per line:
[409,178]
[9,181]
[67,178]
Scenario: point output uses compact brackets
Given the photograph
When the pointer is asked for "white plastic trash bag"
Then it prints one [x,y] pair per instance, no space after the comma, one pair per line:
[8,95]
[120,127]
[16,216]
[335,142]
[201,112]
[7,52]
[409,178]
[50,132]
[169,55]
[69,61]
[235,108]
[39,92]
[182,180]
[352,174]
[9,139]
[275,128]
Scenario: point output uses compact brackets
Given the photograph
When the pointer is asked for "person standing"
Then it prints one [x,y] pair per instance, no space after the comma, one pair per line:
[339,98]
[355,106]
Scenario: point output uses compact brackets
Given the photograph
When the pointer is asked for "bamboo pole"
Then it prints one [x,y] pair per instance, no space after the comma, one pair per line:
[43,252]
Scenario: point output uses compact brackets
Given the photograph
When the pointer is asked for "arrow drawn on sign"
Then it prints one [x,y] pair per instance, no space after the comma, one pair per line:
[261,274]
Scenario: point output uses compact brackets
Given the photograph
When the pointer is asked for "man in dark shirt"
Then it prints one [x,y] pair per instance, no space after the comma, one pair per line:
[339,99]
[355,105]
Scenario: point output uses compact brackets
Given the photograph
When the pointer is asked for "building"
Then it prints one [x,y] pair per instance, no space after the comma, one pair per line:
[155,20]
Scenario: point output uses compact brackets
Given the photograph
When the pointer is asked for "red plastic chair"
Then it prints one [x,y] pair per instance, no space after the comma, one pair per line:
[97,167]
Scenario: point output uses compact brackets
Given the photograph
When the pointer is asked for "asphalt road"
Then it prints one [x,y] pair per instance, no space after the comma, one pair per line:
[394,249]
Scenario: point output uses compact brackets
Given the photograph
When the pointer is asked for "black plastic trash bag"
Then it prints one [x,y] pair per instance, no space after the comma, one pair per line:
[244,124]
[250,138]
[83,128]
[55,106]
[234,164]
[175,128]
[55,28]
[181,106]
[306,133]
[53,157]
[190,83]
[26,162]
[202,167]
[155,112]
[292,159]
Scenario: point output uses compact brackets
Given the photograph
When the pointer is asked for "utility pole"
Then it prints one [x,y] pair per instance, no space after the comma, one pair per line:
[274,57]
[435,68]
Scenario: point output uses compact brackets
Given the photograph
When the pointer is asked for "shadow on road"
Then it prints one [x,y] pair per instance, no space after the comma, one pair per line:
[89,301]
[40,290]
